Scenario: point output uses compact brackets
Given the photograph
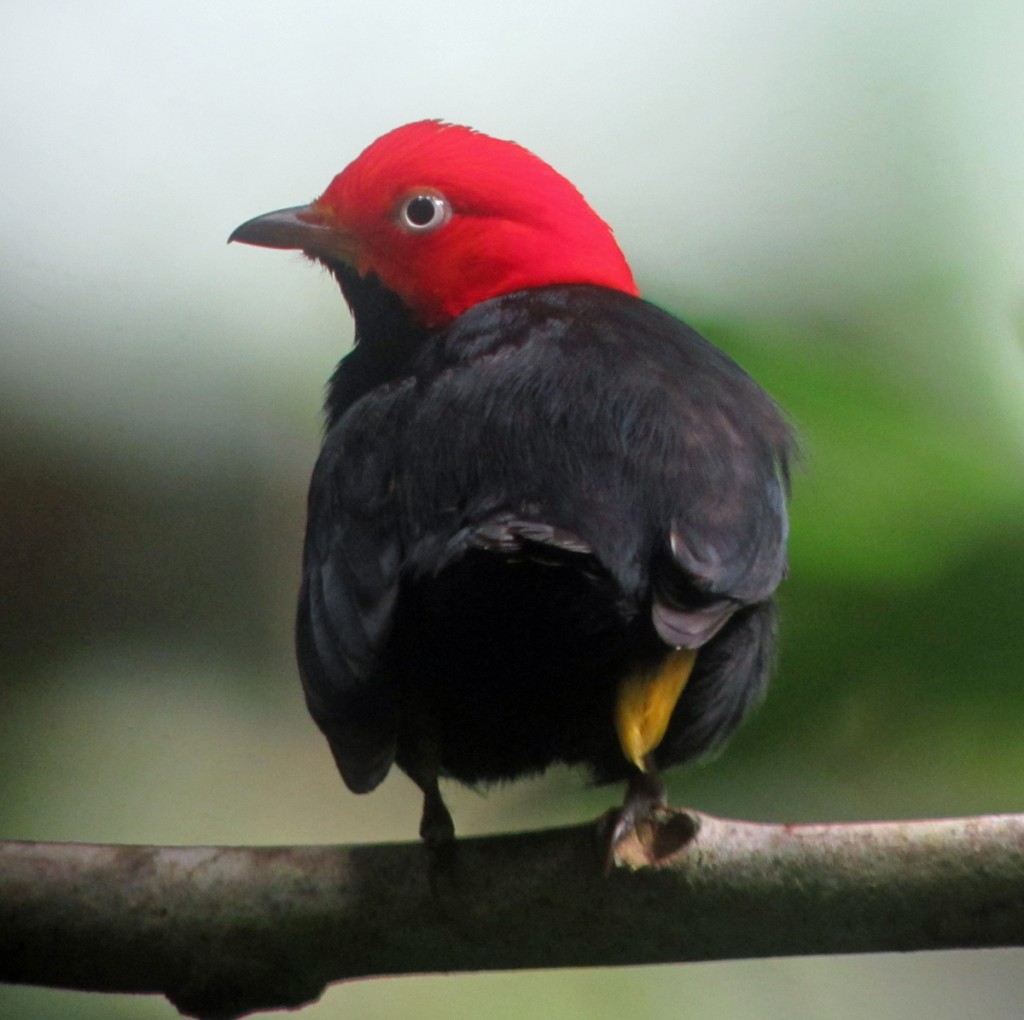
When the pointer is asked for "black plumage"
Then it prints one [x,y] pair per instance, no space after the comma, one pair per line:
[513,512]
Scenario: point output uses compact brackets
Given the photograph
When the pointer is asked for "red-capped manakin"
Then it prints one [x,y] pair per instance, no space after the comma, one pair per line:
[548,517]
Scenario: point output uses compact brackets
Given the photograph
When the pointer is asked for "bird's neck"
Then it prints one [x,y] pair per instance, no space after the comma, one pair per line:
[387,340]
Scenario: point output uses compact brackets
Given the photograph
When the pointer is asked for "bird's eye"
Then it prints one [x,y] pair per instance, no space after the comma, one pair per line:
[424,212]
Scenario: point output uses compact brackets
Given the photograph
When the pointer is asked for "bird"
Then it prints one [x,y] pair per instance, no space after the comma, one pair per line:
[548,518]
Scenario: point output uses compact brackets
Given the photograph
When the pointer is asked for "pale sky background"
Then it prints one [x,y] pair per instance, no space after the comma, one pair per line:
[790,160]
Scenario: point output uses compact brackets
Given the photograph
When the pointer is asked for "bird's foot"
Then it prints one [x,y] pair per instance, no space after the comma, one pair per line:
[643,830]
[644,796]
[438,833]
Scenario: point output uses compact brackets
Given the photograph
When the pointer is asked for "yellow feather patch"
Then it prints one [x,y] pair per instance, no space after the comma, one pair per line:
[645,703]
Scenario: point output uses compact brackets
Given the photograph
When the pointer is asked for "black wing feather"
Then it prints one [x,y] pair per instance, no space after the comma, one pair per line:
[600,414]
[351,568]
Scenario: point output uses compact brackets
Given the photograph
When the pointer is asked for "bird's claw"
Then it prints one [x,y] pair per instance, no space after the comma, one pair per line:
[645,797]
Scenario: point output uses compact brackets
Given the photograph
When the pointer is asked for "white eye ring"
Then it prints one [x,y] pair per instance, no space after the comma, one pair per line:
[424,212]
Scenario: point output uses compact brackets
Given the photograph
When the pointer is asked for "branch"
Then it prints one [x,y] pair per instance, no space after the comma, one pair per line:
[225,931]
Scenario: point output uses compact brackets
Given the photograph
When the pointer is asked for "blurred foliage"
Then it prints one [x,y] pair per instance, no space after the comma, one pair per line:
[899,688]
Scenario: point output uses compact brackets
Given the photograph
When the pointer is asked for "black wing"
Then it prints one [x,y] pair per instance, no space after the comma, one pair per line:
[350,577]
[597,413]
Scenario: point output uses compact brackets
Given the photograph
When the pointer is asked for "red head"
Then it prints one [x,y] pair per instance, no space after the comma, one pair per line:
[448,217]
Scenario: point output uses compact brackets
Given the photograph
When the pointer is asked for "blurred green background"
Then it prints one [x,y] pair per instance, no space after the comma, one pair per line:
[833,191]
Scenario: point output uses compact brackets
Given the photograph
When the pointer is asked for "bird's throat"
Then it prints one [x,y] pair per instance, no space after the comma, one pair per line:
[388,339]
